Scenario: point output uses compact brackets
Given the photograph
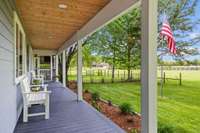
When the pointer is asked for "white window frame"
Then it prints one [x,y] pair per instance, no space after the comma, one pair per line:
[17,21]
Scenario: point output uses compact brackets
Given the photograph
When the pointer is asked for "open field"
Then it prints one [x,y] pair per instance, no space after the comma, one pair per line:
[180,106]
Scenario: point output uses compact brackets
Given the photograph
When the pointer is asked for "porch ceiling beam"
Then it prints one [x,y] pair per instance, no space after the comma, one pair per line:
[111,11]
[40,52]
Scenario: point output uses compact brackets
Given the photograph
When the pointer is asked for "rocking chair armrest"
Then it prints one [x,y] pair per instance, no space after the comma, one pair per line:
[38,78]
[46,92]
[41,85]
[39,92]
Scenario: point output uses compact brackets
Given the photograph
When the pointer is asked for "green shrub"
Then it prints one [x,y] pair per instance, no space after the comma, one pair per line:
[96,106]
[133,131]
[95,96]
[86,91]
[125,108]
[109,102]
[165,128]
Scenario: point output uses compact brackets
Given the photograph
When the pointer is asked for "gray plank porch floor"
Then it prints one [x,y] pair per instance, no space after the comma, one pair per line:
[67,116]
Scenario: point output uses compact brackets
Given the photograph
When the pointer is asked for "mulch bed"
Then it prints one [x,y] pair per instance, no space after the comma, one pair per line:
[127,122]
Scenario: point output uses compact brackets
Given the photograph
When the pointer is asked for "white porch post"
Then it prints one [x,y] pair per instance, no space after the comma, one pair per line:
[79,71]
[56,66]
[51,63]
[64,68]
[38,65]
[149,66]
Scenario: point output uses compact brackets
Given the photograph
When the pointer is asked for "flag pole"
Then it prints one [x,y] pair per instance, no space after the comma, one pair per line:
[161,58]
[161,70]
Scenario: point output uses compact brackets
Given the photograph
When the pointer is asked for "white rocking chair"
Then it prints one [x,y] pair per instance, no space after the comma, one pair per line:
[37,77]
[30,98]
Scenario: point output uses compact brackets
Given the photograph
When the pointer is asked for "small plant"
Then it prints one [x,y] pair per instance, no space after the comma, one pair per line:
[125,108]
[109,102]
[86,91]
[95,96]
[96,106]
[36,82]
[133,131]
[165,128]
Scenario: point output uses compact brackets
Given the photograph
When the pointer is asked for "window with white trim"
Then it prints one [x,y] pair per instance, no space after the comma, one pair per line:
[20,48]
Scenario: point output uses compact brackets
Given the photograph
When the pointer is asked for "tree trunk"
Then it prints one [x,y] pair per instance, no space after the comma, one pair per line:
[129,62]
[113,66]
[67,68]
[113,73]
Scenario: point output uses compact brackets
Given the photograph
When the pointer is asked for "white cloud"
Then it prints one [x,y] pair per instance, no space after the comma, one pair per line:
[194,35]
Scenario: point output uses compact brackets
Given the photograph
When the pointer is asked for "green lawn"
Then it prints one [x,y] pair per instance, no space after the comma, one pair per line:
[180,106]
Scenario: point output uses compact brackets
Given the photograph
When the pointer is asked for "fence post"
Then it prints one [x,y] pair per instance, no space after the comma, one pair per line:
[118,73]
[124,75]
[90,76]
[131,75]
[180,79]
[164,78]
[102,80]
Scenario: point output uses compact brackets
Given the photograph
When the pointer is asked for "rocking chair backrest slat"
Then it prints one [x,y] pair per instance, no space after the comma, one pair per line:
[25,85]
[33,74]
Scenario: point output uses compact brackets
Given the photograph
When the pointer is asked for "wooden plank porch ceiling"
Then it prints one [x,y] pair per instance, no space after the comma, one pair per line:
[67,116]
[49,26]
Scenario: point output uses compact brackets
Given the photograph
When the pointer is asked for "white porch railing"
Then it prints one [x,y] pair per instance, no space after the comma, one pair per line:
[46,73]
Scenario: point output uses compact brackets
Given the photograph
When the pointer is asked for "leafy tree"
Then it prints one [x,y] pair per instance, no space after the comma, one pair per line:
[106,44]
[130,23]
[119,42]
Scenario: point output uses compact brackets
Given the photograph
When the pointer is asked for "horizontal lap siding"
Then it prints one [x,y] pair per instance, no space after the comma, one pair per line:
[8,91]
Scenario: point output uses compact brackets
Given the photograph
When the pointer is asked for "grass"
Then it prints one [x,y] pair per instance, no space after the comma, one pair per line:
[179,107]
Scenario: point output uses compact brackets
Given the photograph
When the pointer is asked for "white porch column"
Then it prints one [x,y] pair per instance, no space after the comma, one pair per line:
[79,71]
[149,66]
[64,68]
[51,63]
[56,66]
[38,65]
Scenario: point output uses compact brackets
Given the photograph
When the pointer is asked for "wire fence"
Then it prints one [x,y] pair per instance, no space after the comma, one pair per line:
[105,76]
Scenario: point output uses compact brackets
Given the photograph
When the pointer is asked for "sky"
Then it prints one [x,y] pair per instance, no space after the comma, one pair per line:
[193,34]
[196,30]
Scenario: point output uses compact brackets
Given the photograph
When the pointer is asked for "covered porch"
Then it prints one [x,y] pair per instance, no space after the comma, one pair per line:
[54,28]
[67,116]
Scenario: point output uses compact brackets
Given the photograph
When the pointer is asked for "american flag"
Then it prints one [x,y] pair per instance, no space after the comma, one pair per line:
[166,32]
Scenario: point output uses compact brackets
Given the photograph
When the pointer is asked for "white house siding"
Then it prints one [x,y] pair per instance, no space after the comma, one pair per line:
[9,94]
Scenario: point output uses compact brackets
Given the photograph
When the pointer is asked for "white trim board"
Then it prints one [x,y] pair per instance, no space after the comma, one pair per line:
[44,52]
